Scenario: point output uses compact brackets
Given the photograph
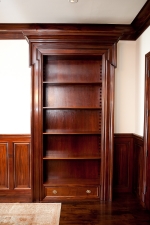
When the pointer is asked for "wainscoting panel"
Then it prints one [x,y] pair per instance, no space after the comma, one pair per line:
[22,165]
[123,158]
[3,165]
[15,168]
[138,166]
[129,164]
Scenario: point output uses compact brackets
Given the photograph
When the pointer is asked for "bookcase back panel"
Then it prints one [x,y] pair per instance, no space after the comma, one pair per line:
[72,71]
[72,120]
[71,169]
[72,145]
[73,96]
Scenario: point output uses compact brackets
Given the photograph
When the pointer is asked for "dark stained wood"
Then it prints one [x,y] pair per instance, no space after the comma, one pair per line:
[74,120]
[22,170]
[15,196]
[10,35]
[63,145]
[69,100]
[138,167]
[74,108]
[121,31]
[15,168]
[107,125]
[129,169]
[146,174]
[3,165]
[58,69]
[123,163]
[142,20]
[124,210]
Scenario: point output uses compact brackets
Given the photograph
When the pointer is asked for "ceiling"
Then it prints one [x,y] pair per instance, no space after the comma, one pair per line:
[61,11]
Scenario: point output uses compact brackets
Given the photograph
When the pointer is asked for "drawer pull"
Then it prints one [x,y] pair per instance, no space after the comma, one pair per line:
[54,192]
[88,191]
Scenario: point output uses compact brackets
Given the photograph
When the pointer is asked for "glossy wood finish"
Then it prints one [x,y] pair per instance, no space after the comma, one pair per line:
[122,144]
[124,32]
[146,174]
[123,163]
[124,210]
[138,167]
[142,20]
[73,110]
[22,170]
[3,165]
[14,31]
[15,168]
[129,165]
[56,59]
[62,146]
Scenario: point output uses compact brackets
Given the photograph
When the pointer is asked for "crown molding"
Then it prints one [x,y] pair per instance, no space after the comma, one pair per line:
[123,32]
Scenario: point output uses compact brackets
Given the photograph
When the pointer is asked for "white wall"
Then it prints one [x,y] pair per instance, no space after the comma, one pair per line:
[129,85]
[14,87]
[142,48]
[124,120]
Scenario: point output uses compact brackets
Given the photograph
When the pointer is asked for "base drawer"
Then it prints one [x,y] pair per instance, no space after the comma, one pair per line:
[88,191]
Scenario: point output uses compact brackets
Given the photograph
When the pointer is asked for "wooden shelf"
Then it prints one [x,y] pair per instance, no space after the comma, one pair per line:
[72,108]
[63,132]
[73,83]
[58,157]
[77,182]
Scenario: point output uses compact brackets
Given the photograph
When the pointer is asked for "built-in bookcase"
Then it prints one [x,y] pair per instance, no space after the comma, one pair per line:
[72,114]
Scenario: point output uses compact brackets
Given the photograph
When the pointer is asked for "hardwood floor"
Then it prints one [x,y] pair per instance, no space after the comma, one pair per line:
[124,210]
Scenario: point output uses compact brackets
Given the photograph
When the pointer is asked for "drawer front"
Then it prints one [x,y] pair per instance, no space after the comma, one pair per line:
[88,192]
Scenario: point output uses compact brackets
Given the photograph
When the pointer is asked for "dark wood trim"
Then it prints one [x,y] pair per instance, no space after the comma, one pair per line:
[14,31]
[123,31]
[142,20]
[15,137]
[146,173]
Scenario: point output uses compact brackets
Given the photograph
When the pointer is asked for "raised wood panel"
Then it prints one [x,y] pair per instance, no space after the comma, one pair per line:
[129,164]
[15,168]
[3,165]
[138,166]
[22,165]
[123,159]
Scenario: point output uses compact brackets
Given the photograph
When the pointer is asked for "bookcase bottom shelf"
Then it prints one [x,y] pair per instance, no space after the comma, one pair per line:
[71,182]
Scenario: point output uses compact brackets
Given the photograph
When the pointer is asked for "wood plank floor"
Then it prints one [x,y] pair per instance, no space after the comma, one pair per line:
[124,210]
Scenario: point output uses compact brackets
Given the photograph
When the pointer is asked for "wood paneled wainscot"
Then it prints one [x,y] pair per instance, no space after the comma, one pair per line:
[15,168]
[129,164]
[123,158]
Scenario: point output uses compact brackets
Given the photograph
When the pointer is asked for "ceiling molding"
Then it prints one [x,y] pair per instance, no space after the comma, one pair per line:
[142,20]
[124,32]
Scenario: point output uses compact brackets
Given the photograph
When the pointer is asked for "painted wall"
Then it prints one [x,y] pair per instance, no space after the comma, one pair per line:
[129,85]
[142,48]
[14,87]
[125,87]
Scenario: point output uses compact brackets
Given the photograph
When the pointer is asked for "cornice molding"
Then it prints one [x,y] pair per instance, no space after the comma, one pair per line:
[123,32]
